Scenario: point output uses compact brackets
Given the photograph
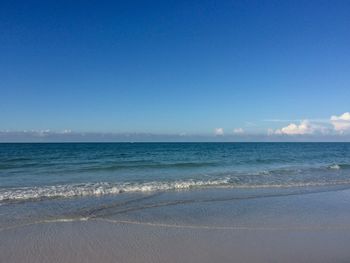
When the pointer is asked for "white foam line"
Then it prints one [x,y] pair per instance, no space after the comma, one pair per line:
[103,188]
[60,220]
[99,189]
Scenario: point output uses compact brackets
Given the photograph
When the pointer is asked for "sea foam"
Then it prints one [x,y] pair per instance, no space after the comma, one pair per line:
[335,166]
[103,188]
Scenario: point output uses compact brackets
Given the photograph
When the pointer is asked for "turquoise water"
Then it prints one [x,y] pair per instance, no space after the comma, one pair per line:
[40,171]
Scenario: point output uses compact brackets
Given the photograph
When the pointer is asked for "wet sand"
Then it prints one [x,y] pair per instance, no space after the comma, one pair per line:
[295,228]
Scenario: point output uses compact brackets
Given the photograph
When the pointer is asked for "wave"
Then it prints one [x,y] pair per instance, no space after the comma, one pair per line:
[339,166]
[96,189]
[334,166]
[104,188]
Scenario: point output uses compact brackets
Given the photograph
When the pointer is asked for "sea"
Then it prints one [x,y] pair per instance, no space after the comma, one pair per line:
[40,182]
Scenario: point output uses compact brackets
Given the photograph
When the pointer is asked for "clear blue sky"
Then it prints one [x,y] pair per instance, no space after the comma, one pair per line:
[171,67]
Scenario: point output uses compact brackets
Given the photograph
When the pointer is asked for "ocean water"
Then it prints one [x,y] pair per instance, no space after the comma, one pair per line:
[39,171]
[153,182]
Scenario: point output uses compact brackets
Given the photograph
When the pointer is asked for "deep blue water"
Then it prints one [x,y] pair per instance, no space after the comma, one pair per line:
[35,171]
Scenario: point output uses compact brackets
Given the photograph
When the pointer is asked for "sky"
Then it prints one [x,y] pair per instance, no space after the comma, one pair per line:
[175,70]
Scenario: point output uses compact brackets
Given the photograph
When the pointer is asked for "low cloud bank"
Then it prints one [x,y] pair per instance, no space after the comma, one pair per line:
[335,125]
[293,129]
[336,128]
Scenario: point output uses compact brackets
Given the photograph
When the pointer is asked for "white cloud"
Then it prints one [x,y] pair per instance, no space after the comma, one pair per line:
[341,123]
[305,127]
[67,131]
[43,132]
[336,124]
[238,131]
[219,131]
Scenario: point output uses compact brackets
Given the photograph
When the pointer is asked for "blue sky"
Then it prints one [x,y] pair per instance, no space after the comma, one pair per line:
[179,68]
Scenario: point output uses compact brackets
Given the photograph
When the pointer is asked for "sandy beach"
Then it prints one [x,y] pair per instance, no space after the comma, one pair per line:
[247,227]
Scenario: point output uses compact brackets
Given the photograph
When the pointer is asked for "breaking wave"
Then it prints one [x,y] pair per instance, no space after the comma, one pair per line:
[339,166]
[104,188]
[334,166]
[96,189]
